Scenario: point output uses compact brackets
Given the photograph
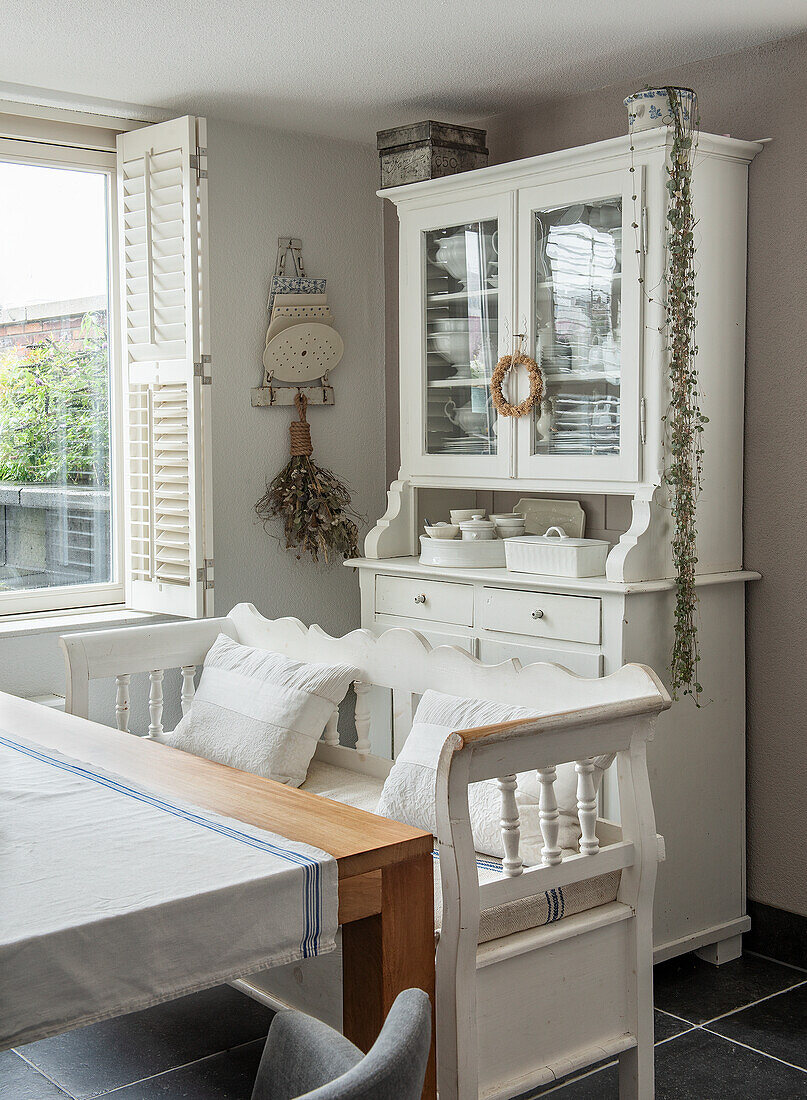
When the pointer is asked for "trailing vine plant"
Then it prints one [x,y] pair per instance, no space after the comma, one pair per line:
[684,421]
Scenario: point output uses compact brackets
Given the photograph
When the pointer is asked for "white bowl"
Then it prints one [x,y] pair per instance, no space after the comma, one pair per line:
[461,515]
[457,347]
[444,531]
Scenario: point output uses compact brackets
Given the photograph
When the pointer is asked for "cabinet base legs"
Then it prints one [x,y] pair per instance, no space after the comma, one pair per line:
[721,952]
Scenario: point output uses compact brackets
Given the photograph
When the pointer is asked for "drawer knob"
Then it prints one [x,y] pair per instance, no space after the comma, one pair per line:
[538,614]
[421,598]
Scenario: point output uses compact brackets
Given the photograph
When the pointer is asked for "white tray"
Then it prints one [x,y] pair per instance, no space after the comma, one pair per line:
[462,553]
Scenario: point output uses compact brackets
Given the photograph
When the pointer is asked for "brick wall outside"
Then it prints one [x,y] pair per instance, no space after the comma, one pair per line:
[24,326]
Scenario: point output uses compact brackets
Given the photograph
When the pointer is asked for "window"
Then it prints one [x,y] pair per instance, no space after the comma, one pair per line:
[104,407]
[58,541]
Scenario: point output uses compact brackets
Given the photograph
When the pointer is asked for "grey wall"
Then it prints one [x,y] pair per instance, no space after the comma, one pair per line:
[263,185]
[754,94]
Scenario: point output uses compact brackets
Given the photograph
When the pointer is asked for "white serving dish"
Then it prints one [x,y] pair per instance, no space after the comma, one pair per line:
[555,554]
[457,554]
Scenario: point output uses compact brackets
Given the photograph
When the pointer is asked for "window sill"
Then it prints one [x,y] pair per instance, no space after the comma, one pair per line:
[63,622]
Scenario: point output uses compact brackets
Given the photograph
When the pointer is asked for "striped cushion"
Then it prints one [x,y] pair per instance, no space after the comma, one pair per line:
[532,912]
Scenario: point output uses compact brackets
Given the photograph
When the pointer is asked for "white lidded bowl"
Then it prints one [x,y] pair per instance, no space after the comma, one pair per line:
[555,554]
[478,529]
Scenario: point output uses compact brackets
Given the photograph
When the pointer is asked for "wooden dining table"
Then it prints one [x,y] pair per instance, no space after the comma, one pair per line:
[385,869]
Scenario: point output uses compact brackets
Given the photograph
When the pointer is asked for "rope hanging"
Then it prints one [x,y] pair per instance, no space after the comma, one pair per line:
[300,430]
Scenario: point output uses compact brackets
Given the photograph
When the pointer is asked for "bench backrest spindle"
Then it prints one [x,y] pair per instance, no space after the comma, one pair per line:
[188,688]
[122,702]
[331,735]
[362,716]
[156,703]
[587,807]
[510,825]
[549,816]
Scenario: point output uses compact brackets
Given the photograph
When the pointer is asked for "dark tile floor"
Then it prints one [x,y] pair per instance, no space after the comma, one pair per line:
[729,1033]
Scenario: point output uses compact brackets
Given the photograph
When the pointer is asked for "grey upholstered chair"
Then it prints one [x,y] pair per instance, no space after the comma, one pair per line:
[304,1057]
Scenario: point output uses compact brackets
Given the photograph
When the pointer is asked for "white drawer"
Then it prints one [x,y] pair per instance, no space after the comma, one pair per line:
[438,601]
[541,614]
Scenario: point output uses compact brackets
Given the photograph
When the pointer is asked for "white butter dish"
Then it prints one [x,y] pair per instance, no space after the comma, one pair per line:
[555,554]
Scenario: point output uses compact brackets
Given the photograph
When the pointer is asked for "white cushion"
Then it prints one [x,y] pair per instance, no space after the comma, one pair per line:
[260,711]
[343,785]
[409,791]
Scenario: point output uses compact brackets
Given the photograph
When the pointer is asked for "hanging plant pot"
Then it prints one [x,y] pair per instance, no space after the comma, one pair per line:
[652,107]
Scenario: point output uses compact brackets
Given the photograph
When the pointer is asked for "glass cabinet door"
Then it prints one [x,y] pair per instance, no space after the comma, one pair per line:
[461,337]
[456,302]
[580,336]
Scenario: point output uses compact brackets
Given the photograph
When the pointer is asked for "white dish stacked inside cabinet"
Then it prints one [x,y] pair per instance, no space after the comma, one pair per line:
[560,240]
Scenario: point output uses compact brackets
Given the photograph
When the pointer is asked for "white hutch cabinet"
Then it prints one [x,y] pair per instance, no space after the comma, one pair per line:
[569,249]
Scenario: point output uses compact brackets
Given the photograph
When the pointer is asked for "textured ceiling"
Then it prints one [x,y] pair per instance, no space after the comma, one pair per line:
[349,67]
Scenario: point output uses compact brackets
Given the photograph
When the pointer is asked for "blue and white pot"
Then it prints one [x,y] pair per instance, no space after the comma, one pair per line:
[651,107]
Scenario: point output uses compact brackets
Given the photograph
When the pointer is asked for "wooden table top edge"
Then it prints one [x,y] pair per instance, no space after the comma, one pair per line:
[359,841]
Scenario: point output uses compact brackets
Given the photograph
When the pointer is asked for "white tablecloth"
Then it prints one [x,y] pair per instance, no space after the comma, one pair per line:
[113,898]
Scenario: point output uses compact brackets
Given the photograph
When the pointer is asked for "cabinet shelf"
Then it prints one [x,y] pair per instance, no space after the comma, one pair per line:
[557,377]
[456,383]
[461,296]
[551,284]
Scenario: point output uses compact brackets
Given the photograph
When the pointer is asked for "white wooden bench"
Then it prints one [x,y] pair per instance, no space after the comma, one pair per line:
[525,992]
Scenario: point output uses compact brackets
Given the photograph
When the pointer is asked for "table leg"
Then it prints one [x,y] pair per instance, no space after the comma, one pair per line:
[391,951]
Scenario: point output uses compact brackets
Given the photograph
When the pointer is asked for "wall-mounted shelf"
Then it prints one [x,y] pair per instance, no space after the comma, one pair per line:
[266,396]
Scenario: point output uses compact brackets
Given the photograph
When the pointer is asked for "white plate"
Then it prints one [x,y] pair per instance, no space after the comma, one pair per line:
[303,352]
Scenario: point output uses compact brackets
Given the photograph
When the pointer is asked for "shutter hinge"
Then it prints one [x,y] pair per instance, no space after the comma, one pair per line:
[204,574]
[644,230]
[643,421]
[196,163]
[199,370]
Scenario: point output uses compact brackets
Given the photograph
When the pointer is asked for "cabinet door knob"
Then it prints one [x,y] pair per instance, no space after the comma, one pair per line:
[421,598]
[538,614]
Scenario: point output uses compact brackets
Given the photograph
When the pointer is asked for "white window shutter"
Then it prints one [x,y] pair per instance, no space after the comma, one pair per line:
[162,202]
